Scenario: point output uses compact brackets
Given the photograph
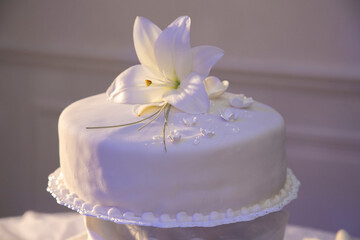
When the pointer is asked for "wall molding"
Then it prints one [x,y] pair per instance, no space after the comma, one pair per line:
[340,138]
[322,136]
[301,77]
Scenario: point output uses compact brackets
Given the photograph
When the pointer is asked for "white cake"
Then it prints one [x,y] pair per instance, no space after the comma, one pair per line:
[206,158]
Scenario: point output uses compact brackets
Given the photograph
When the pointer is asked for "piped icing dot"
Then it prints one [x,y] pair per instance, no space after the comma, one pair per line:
[241,101]
[165,218]
[282,193]
[182,217]
[206,132]
[78,202]
[287,186]
[71,197]
[64,191]
[197,217]
[114,212]
[244,211]
[214,215]
[100,210]
[229,115]
[230,213]
[59,186]
[276,199]
[256,208]
[266,204]
[130,216]
[189,121]
[87,207]
[148,216]
[175,136]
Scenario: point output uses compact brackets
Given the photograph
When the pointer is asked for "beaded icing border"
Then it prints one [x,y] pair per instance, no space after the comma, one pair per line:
[63,196]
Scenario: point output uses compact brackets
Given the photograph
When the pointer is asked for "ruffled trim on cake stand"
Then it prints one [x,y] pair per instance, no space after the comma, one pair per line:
[63,196]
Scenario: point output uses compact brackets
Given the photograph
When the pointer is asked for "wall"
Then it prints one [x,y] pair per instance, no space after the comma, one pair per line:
[301,57]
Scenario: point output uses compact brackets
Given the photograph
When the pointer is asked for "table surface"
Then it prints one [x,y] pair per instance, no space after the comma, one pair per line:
[60,226]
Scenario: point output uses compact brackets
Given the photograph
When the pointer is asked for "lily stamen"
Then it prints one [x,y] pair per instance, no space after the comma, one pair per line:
[148,82]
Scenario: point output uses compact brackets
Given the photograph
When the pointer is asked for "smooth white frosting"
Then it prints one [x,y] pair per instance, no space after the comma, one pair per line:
[241,164]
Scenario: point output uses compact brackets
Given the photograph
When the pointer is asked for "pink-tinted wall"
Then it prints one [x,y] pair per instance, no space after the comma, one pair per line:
[302,57]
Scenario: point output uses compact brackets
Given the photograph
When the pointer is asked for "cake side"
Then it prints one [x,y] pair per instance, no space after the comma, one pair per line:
[242,164]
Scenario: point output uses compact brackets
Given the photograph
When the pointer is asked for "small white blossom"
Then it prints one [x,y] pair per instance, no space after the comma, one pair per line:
[206,132]
[175,136]
[229,115]
[189,121]
[241,101]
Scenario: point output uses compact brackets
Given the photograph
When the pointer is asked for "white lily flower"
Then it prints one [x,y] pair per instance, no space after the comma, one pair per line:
[171,72]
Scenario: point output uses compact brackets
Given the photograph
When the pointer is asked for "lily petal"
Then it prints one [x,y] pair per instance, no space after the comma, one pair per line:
[214,87]
[191,96]
[204,58]
[140,109]
[130,87]
[173,51]
[145,34]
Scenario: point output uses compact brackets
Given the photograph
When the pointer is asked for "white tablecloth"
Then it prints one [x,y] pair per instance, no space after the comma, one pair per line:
[60,226]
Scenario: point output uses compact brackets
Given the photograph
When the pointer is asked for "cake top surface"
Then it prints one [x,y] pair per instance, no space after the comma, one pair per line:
[184,132]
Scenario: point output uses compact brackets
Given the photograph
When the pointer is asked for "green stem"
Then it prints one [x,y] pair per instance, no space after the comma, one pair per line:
[154,115]
[158,114]
[127,124]
[165,123]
